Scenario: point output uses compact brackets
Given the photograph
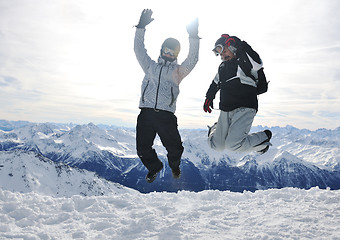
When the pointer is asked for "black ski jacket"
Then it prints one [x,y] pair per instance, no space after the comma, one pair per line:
[237,80]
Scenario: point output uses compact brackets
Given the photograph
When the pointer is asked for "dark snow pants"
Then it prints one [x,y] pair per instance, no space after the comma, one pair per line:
[151,122]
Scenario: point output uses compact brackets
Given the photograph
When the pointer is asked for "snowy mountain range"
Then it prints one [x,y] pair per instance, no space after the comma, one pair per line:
[298,158]
[24,172]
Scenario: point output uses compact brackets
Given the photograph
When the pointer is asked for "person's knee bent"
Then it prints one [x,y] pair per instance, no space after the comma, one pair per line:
[147,153]
[176,152]
[232,146]
[216,145]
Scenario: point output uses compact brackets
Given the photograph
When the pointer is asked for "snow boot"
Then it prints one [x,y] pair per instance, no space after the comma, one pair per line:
[269,135]
[176,173]
[151,176]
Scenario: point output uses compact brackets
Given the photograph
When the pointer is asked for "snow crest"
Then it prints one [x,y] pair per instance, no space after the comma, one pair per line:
[287,213]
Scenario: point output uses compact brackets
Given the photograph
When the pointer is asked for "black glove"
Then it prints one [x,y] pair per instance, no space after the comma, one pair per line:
[210,96]
[145,18]
[208,105]
[192,29]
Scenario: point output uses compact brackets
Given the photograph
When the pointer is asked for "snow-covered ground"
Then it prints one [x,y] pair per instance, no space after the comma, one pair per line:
[287,213]
[41,199]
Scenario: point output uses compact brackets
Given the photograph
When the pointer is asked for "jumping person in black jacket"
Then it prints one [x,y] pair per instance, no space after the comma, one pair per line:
[240,79]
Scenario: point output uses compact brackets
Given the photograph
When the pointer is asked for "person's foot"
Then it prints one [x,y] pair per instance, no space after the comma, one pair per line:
[264,150]
[269,135]
[176,173]
[151,176]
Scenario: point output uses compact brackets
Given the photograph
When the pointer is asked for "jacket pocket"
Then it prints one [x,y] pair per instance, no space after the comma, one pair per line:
[143,94]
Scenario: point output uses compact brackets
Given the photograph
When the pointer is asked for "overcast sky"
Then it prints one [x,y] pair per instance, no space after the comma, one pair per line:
[73,60]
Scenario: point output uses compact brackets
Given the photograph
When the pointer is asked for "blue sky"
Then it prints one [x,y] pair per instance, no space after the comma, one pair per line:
[73,61]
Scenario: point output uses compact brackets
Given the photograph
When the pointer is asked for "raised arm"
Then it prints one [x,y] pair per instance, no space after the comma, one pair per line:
[190,62]
[139,46]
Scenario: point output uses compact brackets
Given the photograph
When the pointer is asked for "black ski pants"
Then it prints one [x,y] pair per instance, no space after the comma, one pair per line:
[151,122]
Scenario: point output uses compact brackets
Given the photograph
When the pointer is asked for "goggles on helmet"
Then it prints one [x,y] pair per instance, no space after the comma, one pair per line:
[171,52]
[218,49]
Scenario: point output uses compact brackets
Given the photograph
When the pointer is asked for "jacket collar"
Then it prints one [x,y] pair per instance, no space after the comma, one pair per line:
[166,63]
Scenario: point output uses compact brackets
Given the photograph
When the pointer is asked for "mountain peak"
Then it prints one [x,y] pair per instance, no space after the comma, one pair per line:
[28,171]
[112,154]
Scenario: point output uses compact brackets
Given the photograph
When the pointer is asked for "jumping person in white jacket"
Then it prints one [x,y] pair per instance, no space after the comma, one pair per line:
[159,92]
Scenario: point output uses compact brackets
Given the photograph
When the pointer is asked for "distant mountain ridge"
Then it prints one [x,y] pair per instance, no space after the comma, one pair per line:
[22,171]
[10,125]
[298,158]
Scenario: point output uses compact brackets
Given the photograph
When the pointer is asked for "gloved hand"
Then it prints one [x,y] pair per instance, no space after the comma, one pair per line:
[192,29]
[208,105]
[145,18]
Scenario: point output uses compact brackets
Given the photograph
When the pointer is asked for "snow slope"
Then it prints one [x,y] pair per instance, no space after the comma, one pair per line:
[30,172]
[287,213]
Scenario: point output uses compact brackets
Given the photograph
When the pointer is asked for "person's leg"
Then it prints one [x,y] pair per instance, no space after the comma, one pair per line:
[145,135]
[238,136]
[219,132]
[171,139]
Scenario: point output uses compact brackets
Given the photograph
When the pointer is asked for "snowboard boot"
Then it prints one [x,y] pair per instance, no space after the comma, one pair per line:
[176,173]
[263,151]
[151,176]
[269,135]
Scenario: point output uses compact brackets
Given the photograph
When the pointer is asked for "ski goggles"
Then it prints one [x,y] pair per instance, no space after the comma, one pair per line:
[171,52]
[218,49]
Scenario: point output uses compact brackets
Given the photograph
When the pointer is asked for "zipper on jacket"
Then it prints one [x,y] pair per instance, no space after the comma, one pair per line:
[172,97]
[159,83]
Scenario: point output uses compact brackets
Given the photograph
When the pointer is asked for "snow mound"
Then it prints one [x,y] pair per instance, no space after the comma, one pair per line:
[287,213]
[27,171]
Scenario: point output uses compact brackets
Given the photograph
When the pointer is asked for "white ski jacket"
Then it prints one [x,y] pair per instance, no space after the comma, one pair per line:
[160,86]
